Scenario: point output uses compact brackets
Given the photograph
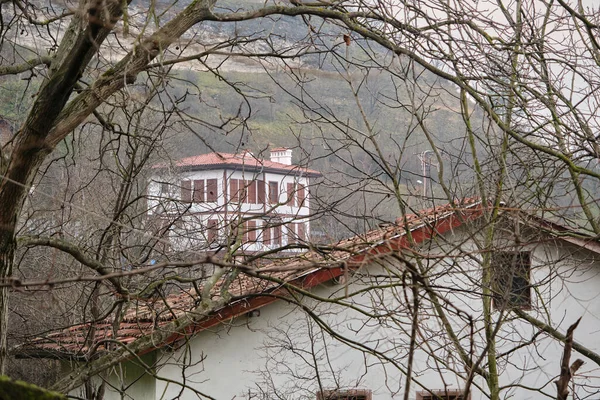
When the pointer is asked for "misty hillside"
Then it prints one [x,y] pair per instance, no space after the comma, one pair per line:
[233,103]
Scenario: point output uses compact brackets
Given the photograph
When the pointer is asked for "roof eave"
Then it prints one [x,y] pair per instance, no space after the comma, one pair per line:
[295,170]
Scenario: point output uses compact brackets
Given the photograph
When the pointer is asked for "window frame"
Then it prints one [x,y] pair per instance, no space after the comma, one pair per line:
[506,275]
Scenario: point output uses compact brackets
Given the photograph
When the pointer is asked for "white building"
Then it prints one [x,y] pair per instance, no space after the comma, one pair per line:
[216,199]
[358,344]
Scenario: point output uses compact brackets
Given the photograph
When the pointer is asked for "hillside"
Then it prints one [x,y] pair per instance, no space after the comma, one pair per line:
[232,103]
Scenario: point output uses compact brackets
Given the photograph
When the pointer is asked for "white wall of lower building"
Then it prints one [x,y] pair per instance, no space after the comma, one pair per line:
[285,351]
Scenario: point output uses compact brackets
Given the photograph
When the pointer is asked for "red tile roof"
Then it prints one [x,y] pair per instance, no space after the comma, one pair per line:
[305,271]
[245,160]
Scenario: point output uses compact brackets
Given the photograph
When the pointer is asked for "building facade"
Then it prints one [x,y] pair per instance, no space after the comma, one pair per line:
[220,199]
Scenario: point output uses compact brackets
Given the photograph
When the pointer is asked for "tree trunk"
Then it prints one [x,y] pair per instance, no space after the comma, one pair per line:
[566,371]
[32,146]
[7,247]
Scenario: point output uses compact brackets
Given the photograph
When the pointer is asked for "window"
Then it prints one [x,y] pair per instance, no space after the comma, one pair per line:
[186,191]
[196,191]
[251,229]
[510,279]
[277,235]
[212,231]
[273,193]
[291,234]
[234,190]
[301,196]
[241,191]
[164,188]
[260,195]
[266,234]
[199,191]
[301,229]
[442,395]
[251,192]
[290,195]
[352,394]
[211,190]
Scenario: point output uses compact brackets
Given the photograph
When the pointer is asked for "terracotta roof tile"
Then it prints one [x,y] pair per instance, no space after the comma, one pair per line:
[246,160]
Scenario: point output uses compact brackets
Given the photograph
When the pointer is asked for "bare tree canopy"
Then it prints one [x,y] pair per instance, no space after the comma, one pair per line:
[390,107]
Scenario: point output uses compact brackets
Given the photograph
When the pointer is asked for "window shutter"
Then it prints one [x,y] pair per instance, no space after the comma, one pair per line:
[291,233]
[260,198]
[212,231]
[245,232]
[243,196]
[277,235]
[266,234]
[252,192]
[301,195]
[186,191]
[290,195]
[234,194]
[199,191]
[273,193]
[211,190]
[301,232]
[252,231]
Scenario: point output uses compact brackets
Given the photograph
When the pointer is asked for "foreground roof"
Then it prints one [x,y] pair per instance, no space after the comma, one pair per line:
[246,161]
[250,293]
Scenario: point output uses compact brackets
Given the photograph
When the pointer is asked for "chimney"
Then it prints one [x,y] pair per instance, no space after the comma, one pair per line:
[281,155]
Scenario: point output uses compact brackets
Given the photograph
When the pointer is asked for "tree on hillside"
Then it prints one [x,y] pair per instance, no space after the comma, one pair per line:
[97,77]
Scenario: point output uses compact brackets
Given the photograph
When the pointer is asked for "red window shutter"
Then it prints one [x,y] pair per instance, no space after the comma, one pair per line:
[252,192]
[301,232]
[266,234]
[234,194]
[245,232]
[211,190]
[301,195]
[186,191]
[277,235]
[212,230]
[243,191]
[252,231]
[291,231]
[290,195]
[260,195]
[273,193]
[199,191]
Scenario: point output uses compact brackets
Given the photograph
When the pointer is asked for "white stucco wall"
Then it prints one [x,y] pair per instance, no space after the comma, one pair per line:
[252,357]
[128,381]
